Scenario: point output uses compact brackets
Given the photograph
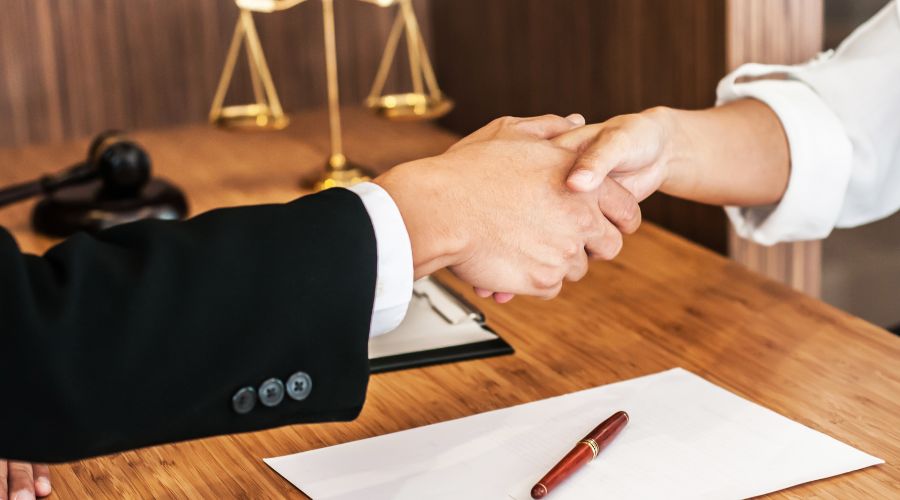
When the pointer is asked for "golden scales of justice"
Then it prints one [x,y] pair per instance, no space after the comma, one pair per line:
[426,101]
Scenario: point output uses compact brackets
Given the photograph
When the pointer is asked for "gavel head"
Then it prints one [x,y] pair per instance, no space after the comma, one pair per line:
[123,166]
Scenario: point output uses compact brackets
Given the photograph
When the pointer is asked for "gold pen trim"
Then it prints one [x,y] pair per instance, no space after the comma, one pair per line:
[595,448]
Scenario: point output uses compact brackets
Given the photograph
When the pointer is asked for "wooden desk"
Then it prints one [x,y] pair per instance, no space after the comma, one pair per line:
[663,303]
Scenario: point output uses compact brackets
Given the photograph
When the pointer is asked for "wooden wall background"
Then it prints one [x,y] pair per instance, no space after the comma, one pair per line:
[776,32]
[599,58]
[71,68]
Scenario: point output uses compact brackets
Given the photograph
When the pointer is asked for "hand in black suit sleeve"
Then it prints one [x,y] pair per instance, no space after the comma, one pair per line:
[143,333]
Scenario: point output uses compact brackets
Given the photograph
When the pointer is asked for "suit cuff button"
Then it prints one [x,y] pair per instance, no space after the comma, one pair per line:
[299,386]
[244,400]
[271,392]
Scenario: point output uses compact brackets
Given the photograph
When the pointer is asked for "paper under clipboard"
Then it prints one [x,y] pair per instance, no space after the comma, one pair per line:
[439,327]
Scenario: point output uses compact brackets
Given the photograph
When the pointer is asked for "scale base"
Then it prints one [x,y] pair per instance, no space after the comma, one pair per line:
[85,208]
[339,172]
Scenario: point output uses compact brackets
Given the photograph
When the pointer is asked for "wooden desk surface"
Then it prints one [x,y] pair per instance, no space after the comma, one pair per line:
[663,303]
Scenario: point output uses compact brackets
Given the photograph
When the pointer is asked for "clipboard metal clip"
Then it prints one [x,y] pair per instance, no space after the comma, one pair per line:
[451,307]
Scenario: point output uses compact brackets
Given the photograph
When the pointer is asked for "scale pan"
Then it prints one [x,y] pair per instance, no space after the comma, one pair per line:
[250,116]
[409,106]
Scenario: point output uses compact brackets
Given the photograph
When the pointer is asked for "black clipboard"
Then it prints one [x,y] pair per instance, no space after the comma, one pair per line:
[440,327]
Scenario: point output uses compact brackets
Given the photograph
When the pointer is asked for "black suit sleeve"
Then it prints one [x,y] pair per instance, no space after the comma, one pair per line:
[143,333]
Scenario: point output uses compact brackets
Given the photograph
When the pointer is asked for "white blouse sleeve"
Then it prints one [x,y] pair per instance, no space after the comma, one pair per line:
[841,115]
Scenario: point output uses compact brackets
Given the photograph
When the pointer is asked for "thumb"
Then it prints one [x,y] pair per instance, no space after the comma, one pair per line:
[597,156]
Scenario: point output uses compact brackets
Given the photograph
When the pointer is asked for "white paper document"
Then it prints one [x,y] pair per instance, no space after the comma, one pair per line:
[686,438]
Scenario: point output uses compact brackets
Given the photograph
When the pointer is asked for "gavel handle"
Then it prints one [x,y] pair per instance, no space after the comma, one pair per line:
[76,174]
[19,192]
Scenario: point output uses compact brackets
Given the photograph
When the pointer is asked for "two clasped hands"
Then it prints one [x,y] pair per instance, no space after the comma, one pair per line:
[522,204]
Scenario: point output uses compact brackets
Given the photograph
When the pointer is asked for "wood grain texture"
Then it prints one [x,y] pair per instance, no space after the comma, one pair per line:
[600,58]
[776,32]
[663,303]
[72,68]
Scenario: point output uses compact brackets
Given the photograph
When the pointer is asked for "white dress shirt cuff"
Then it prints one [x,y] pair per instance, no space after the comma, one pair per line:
[393,287]
[821,160]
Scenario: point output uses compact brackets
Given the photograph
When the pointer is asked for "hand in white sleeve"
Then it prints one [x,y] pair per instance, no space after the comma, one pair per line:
[841,115]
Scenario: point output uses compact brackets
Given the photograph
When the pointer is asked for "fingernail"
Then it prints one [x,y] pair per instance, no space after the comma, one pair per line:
[582,178]
[44,485]
[23,495]
[576,119]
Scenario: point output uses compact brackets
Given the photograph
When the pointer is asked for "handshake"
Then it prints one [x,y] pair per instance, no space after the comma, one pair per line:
[522,204]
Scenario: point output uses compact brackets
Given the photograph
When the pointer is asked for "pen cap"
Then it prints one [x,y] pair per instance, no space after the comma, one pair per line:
[604,433]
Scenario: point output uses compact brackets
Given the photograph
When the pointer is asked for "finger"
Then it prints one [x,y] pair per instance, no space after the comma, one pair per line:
[578,267]
[481,292]
[21,481]
[549,126]
[503,297]
[486,132]
[606,242]
[577,119]
[599,152]
[4,474]
[641,183]
[578,139]
[619,206]
[42,486]
[551,293]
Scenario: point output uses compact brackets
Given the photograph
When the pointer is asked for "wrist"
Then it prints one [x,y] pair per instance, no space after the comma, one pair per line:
[437,236]
[675,148]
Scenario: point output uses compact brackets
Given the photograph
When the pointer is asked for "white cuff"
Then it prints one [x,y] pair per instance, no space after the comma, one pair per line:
[821,160]
[393,287]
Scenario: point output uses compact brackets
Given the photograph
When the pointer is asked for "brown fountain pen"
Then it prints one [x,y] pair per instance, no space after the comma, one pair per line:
[586,450]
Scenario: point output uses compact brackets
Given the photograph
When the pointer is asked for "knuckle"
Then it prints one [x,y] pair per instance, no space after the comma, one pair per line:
[537,126]
[583,217]
[552,293]
[571,250]
[497,124]
[550,118]
[546,278]
[19,467]
[542,280]
[506,121]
